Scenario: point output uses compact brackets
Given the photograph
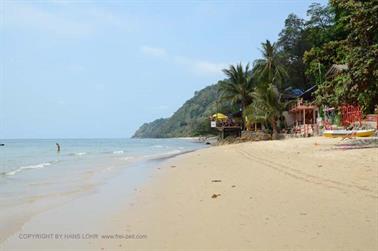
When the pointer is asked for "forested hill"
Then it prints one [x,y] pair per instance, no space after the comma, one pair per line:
[191,119]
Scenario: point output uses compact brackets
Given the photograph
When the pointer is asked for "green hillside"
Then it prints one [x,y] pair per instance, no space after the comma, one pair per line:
[191,119]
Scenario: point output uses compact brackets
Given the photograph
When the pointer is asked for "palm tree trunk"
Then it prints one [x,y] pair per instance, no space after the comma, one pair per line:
[242,119]
[274,129]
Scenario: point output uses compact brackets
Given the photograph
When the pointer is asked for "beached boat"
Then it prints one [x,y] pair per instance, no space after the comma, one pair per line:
[344,133]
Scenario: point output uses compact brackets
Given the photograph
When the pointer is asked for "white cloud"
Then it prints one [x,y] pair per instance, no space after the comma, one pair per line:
[153,51]
[75,20]
[198,67]
[31,17]
[201,67]
[209,67]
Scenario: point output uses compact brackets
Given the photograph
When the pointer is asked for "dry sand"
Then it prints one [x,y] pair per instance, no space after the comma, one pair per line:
[297,194]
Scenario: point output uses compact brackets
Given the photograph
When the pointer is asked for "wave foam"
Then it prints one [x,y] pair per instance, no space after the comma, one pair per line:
[80,154]
[20,169]
[118,152]
[163,155]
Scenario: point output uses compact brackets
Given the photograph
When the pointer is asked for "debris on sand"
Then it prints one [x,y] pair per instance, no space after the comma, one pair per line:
[216,181]
[214,196]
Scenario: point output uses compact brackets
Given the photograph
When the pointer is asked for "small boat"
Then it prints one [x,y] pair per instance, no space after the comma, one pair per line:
[344,133]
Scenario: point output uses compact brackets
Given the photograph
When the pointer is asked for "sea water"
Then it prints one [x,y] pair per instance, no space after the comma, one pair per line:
[35,176]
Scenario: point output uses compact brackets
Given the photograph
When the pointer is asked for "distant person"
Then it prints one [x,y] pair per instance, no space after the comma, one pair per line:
[57,147]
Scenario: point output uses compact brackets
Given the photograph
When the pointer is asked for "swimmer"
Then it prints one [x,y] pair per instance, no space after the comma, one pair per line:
[57,147]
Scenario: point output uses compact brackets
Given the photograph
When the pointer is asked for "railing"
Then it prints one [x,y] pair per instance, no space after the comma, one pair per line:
[225,124]
[299,103]
[350,114]
[306,130]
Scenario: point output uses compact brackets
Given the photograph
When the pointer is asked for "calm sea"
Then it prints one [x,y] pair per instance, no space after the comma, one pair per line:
[34,176]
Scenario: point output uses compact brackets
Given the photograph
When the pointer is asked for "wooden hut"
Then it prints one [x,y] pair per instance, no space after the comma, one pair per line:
[304,116]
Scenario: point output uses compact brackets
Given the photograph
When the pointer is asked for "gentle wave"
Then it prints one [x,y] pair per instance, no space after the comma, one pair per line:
[80,154]
[118,152]
[20,169]
[157,146]
[163,155]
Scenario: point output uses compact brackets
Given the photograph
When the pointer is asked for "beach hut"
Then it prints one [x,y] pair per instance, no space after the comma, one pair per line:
[303,114]
[225,125]
[305,118]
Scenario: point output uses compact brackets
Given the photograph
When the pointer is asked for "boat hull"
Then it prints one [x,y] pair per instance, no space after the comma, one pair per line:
[344,133]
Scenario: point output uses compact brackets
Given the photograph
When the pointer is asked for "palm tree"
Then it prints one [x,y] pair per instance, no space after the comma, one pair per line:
[267,106]
[238,86]
[269,69]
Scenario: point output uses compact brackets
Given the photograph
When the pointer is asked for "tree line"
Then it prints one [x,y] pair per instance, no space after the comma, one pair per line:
[340,33]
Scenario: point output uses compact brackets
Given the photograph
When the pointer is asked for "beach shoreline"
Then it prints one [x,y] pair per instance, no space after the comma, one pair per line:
[83,176]
[291,194]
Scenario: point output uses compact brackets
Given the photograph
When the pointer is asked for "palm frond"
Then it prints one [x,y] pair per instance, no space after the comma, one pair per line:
[238,86]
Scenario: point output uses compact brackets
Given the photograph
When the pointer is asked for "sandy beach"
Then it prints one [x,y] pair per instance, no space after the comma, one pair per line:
[189,125]
[295,194]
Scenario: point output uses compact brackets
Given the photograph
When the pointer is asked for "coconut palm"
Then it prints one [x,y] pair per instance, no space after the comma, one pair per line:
[267,106]
[269,69]
[238,86]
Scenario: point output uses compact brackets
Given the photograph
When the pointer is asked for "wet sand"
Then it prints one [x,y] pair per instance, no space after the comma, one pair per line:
[296,194]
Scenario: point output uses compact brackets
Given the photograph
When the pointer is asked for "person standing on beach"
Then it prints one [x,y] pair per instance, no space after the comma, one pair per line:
[57,147]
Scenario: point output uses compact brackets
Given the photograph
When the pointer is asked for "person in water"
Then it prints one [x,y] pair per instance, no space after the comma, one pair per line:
[57,147]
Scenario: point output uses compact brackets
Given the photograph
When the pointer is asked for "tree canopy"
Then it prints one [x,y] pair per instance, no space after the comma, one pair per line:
[354,42]
[341,33]
[238,86]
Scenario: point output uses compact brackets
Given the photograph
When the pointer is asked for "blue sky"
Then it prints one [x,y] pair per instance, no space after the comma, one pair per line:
[87,69]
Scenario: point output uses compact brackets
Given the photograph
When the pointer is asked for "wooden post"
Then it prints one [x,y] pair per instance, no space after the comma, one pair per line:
[304,122]
[304,116]
[314,123]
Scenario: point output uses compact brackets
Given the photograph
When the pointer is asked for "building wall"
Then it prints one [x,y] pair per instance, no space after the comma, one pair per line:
[289,118]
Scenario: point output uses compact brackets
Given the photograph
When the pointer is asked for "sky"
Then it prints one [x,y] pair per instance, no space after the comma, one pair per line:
[100,69]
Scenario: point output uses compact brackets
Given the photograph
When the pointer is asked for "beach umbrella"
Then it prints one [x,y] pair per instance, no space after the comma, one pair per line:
[219,116]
